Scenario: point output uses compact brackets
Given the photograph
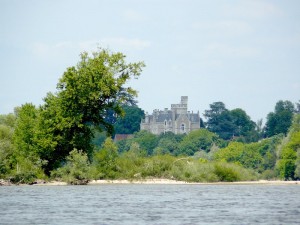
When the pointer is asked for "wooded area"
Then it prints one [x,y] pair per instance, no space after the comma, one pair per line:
[69,137]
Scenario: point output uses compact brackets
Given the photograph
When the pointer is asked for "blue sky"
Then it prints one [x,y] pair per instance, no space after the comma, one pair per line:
[244,53]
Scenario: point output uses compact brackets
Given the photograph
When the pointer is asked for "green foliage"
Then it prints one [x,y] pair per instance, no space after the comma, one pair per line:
[189,170]
[7,123]
[6,149]
[146,140]
[85,96]
[26,170]
[99,137]
[226,172]
[219,120]
[25,131]
[76,170]
[259,156]
[229,124]
[297,164]
[288,163]
[195,141]
[280,120]
[232,172]
[157,166]
[295,127]
[245,154]
[104,160]
[130,123]
[8,120]
[131,162]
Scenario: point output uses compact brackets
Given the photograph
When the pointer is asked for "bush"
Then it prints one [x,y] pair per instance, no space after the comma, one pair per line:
[227,172]
[157,166]
[104,162]
[76,170]
[269,175]
[193,171]
[27,171]
[231,172]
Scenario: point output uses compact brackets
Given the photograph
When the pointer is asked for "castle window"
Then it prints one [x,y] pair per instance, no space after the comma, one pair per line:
[182,128]
[165,123]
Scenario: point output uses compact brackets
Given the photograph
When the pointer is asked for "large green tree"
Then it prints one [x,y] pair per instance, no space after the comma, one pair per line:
[280,120]
[85,96]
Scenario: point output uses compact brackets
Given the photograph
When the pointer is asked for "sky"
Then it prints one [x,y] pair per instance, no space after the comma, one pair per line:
[245,53]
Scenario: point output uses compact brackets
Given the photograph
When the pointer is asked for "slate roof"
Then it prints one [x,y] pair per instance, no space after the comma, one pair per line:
[162,116]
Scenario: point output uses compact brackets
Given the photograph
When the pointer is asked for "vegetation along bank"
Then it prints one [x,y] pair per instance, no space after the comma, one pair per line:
[70,136]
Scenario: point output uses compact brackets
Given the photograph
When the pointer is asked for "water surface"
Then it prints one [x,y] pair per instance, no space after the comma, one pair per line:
[150,204]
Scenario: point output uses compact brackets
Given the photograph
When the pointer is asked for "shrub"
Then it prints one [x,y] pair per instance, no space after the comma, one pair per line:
[232,172]
[227,172]
[27,170]
[193,171]
[76,170]
[269,175]
[104,161]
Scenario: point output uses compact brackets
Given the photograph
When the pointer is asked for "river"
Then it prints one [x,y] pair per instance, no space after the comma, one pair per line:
[150,204]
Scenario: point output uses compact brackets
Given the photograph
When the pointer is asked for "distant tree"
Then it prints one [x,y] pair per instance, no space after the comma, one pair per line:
[244,154]
[196,141]
[219,120]
[230,124]
[146,140]
[130,123]
[166,146]
[243,126]
[280,120]
[8,120]
[202,124]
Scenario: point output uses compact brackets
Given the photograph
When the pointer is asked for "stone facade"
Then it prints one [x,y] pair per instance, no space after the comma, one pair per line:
[177,120]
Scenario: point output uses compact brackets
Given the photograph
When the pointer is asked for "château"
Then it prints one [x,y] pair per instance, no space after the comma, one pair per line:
[177,120]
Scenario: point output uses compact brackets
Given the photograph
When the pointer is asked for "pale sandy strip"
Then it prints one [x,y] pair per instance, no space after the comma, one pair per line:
[167,181]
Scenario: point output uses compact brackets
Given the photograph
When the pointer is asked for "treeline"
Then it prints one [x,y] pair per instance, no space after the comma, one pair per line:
[200,156]
[69,136]
[237,125]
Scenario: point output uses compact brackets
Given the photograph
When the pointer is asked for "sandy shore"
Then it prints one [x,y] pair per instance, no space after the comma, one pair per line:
[160,181]
[167,182]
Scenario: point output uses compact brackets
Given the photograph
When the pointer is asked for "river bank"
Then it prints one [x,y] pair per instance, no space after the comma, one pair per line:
[168,181]
[157,181]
